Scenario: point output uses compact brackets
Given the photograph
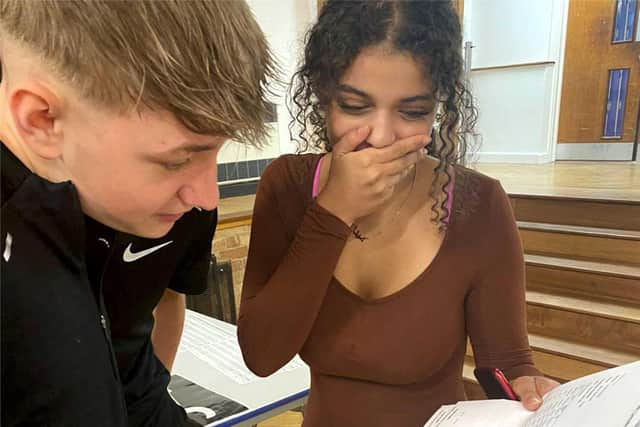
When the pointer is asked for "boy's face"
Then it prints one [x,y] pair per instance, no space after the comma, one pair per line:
[139,172]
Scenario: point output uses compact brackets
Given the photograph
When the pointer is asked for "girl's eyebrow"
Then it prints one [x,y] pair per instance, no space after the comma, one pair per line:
[353,90]
[362,94]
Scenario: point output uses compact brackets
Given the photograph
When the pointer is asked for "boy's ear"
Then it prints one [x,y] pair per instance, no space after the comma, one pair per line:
[36,112]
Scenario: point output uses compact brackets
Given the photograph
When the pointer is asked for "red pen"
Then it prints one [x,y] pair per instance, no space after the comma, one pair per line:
[494,383]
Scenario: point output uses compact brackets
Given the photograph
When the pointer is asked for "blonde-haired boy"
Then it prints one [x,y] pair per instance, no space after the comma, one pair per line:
[111,117]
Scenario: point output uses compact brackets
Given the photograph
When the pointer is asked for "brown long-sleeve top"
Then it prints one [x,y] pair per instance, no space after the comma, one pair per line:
[391,361]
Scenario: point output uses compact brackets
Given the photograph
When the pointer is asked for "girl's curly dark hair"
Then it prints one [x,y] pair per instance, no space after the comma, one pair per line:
[429,30]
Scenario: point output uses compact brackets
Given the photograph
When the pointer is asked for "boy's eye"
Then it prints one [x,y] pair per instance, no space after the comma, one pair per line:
[177,165]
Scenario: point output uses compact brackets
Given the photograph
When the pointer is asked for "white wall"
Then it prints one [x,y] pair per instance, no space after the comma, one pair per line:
[515,107]
[518,106]
[284,23]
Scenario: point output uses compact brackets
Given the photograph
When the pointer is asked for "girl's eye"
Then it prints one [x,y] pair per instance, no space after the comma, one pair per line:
[416,115]
[350,108]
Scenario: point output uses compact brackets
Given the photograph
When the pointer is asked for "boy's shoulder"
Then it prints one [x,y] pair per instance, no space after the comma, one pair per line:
[13,173]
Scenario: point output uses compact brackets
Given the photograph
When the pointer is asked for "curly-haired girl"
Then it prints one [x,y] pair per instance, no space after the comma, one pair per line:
[377,257]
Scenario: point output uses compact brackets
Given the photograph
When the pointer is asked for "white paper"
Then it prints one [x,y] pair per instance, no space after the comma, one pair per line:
[216,343]
[609,398]
[480,413]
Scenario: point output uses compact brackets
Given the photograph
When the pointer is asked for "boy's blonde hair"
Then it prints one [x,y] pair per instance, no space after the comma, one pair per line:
[207,62]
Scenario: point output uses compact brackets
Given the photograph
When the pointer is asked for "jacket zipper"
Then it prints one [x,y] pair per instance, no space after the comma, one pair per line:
[106,329]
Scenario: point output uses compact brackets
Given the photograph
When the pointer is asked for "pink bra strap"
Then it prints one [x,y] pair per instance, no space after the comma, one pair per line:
[316,178]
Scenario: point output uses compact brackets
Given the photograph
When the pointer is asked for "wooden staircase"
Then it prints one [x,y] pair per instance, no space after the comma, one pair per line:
[583,284]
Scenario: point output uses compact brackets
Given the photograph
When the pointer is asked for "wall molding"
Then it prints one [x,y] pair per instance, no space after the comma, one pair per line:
[506,157]
[516,65]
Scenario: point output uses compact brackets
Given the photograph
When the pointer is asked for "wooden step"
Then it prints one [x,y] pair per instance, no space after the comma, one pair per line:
[589,322]
[564,360]
[583,359]
[586,279]
[619,214]
[629,314]
[551,366]
[598,244]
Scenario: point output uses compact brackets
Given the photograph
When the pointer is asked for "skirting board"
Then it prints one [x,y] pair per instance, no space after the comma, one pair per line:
[595,151]
[498,157]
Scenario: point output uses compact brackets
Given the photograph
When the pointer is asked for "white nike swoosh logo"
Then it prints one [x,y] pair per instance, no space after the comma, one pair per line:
[7,247]
[129,256]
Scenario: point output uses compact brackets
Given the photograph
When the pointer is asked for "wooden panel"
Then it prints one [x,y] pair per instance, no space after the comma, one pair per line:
[598,356]
[235,207]
[589,54]
[615,270]
[584,284]
[578,212]
[563,368]
[599,331]
[579,246]
[610,233]
[288,419]
[586,306]
[598,181]
[233,223]
[556,366]
[459,6]
[218,300]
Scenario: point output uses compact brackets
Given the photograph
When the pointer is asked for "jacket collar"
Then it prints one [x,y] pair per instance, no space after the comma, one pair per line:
[52,210]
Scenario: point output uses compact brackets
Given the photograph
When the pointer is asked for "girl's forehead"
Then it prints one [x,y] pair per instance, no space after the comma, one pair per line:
[376,70]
